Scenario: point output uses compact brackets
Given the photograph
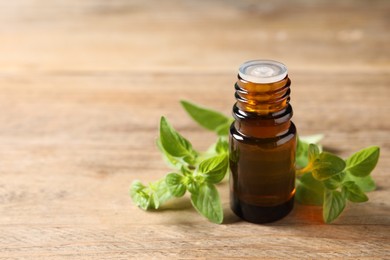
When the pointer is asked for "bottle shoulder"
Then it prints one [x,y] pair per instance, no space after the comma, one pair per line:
[273,118]
[278,139]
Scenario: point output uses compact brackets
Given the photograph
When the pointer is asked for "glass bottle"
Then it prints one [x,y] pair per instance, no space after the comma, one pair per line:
[262,143]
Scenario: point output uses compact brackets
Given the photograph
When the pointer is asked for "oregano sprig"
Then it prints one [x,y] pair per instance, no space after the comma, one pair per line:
[195,172]
[331,181]
[323,178]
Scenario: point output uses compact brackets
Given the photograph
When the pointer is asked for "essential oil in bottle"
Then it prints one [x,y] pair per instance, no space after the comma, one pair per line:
[262,143]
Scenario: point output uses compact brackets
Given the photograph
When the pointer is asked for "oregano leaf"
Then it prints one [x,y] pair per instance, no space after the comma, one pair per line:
[327,165]
[175,184]
[214,169]
[301,155]
[208,118]
[207,202]
[362,163]
[149,197]
[140,198]
[223,130]
[334,204]
[193,186]
[335,181]
[162,192]
[154,201]
[174,143]
[309,190]
[172,162]
[222,146]
[366,183]
[353,192]
[313,152]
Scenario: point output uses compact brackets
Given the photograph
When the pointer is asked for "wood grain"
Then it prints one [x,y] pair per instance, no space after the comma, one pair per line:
[84,83]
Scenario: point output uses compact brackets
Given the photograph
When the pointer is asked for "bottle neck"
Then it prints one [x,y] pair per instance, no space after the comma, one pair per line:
[262,99]
[262,110]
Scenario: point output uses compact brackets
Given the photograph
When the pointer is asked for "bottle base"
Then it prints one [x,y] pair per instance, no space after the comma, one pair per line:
[257,214]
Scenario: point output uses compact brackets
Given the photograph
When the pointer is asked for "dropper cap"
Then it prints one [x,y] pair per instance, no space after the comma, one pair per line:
[262,71]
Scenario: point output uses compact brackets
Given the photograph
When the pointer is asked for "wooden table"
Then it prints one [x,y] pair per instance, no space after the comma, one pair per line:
[83,85]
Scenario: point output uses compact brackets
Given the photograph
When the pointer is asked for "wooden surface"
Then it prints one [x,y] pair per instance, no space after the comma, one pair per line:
[84,83]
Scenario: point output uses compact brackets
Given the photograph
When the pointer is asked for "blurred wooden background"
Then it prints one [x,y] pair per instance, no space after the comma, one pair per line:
[84,83]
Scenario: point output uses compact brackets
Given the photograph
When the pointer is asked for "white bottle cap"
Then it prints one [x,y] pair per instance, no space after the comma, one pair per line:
[262,71]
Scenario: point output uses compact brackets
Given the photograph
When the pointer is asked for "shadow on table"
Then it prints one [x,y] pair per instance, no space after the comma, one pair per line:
[299,215]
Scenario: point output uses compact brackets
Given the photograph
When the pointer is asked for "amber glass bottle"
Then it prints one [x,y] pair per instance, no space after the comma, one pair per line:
[262,143]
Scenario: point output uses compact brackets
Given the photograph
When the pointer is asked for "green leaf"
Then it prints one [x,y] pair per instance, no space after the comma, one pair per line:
[175,183]
[214,169]
[150,197]
[137,187]
[335,181]
[309,190]
[363,162]
[174,144]
[162,191]
[154,201]
[207,202]
[209,119]
[222,146]
[193,186]
[366,184]
[327,165]
[301,159]
[171,161]
[303,142]
[219,147]
[334,204]
[158,193]
[353,192]
[185,171]
[223,130]
[313,152]
[139,197]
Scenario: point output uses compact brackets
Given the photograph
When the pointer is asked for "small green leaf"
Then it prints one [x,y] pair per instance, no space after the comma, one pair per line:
[174,144]
[193,186]
[366,184]
[327,165]
[363,162]
[208,118]
[353,192]
[313,152]
[161,191]
[171,161]
[137,187]
[309,190]
[222,146]
[139,197]
[214,169]
[301,159]
[334,204]
[150,197]
[207,202]
[175,184]
[185,171]
[223,130]
[303,148]
[335,181]
[154,201]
